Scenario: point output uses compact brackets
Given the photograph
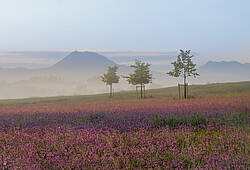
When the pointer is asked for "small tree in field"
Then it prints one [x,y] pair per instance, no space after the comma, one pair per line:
[184,67]
[110,77]
[141,74]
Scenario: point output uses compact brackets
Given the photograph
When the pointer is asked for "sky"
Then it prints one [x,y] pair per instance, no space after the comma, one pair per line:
[216,29]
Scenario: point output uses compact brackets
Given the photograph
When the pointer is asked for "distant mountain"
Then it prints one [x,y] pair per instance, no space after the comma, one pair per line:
[83,61]
[80,66]
[230,67]
[225,71]
[224,65]
[76,66]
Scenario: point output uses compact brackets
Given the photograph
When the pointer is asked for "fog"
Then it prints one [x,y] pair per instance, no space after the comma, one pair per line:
[78,73]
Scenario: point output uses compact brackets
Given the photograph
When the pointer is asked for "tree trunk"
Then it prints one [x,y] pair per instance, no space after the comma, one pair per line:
[110,93]
[179,90]
[141,91]
[185,87]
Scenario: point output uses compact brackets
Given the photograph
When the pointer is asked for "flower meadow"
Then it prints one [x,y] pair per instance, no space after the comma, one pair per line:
[209,132]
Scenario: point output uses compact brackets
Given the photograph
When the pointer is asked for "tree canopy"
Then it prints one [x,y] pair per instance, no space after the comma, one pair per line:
[184,66]
[141,74]
[111,76]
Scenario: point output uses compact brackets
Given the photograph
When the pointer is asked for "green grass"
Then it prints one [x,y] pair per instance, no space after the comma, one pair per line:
[208,89]
[195,119]
[170,92]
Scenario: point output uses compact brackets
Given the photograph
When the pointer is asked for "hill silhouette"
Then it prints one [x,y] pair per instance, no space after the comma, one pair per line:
[225,71]
[80,66]
[83,61]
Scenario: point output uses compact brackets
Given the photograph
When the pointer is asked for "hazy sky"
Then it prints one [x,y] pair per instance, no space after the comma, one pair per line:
[216,28]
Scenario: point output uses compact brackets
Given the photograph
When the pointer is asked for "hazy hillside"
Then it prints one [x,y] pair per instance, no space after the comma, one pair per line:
[77,66]
[224,71]
[80,66]
[79,73]
[83,61]
[230,66]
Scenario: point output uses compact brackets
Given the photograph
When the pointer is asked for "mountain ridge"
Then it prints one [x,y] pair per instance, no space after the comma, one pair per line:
[80,66]
[81,60]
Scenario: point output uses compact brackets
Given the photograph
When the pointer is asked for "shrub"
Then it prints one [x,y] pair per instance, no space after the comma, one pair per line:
[95,117]
[159,120]
[197,119]
[241,120]
[171,120]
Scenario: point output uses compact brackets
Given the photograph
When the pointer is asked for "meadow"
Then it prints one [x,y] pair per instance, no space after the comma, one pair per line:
[210,130]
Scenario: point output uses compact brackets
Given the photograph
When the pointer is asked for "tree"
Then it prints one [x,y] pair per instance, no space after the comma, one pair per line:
[141,74]
[184,67]
[110,77]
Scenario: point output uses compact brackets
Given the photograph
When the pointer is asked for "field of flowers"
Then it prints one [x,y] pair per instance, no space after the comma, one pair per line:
[204,132]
